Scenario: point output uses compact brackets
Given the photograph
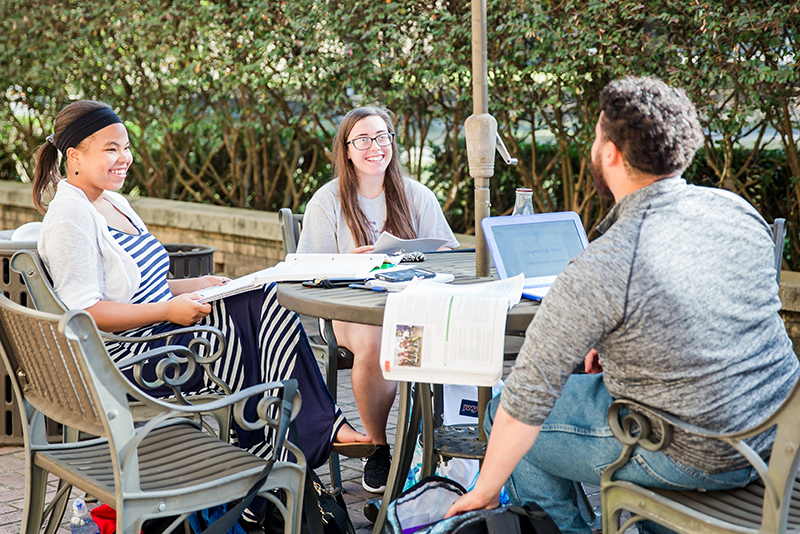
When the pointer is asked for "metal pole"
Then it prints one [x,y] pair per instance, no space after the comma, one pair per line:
[481,132]
[480,86]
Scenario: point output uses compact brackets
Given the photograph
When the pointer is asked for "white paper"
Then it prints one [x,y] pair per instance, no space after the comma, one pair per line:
[447,334]
[240,285]
[509,289]
[387,244]
[297,268]
[288,271]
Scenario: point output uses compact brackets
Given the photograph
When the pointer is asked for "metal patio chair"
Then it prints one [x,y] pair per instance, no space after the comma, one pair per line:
[769,505]
[291,224]
[60,369]
[43,297]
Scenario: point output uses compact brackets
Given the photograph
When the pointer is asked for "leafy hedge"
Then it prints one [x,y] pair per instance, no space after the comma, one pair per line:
[235,102]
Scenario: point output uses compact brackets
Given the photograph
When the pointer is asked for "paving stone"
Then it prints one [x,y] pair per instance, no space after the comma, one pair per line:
[12,468]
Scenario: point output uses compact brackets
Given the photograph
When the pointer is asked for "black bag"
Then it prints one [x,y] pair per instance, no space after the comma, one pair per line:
[420,508]
[324,511]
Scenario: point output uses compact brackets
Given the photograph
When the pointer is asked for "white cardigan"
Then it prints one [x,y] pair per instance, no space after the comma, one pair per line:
[86,263]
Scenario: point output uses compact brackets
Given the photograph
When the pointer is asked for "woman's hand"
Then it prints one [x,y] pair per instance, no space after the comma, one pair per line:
[185,310]
[362,250]
[210,280]
[180,286]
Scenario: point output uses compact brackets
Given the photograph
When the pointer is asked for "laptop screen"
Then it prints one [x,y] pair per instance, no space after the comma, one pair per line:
[541,249]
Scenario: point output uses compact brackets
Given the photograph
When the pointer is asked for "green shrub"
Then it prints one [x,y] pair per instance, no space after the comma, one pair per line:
[235,102]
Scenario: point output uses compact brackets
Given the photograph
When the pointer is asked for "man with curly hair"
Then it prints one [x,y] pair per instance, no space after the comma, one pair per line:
[676,303]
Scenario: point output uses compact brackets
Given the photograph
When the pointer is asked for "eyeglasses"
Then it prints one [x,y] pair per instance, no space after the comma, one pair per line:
[363,143]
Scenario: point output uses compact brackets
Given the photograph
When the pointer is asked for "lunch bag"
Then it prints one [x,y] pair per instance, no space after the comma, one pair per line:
[421,508]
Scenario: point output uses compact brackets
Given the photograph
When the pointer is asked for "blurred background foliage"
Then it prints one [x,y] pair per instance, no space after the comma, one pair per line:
[235,102]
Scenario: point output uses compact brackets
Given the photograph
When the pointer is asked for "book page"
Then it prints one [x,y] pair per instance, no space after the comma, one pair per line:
[240,285]
[377,259]
[298,268]
[509,289]
[299,271]
[444,338]
[387,243]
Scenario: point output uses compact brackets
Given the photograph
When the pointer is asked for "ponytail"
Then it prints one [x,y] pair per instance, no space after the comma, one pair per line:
[46,174]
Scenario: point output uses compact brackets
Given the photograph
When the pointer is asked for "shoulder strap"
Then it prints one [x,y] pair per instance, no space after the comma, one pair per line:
[224,523]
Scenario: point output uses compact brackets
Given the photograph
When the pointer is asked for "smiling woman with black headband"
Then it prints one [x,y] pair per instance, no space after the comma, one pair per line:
[102,259]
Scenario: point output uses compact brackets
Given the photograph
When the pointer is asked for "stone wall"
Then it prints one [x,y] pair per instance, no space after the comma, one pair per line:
[245,240]
[790,298]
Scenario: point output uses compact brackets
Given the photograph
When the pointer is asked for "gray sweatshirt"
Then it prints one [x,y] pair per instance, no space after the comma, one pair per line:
[679,298]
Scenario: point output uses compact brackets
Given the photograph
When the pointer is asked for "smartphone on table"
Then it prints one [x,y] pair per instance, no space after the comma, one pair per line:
[405,275]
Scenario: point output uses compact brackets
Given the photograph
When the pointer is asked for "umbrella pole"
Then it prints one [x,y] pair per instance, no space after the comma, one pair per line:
[481,131]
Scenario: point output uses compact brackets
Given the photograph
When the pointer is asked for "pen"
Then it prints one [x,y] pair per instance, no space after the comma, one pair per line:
[362,286]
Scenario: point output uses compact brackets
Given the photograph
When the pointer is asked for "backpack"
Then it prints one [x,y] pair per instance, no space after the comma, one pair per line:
[421,508]
[324,511]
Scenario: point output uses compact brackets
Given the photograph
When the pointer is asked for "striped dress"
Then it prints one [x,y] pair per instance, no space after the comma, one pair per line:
[265,342]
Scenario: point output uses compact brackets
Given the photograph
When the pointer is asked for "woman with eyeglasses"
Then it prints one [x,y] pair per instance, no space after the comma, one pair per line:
[369,195]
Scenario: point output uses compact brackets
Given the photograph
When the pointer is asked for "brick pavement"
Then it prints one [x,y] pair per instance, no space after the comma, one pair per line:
[12,474]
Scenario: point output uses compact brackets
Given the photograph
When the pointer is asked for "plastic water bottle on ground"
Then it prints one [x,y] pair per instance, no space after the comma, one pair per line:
[82,522]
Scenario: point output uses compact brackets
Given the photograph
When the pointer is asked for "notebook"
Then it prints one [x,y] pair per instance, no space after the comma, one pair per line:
[538,245]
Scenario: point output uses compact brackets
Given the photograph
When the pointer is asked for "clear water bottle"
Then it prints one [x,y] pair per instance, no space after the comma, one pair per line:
[524,202]
[82,522]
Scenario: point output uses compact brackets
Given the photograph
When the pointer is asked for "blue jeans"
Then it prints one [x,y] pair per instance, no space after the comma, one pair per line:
[576,443]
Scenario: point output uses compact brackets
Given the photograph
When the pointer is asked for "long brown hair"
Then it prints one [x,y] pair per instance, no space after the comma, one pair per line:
[47,172]
[398,215]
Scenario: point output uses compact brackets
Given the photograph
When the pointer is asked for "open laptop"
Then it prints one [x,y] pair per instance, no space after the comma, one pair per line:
[538,245]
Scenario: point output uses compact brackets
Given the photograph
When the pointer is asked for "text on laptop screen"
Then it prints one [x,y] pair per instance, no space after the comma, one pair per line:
[541,249]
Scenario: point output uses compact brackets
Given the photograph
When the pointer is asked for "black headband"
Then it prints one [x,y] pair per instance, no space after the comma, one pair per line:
[84,126]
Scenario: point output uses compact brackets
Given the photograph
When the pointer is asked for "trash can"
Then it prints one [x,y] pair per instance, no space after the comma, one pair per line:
[185,261]
[13,287]
[188,261]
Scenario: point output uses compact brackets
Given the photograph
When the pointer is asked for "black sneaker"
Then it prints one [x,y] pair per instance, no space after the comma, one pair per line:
[376,470]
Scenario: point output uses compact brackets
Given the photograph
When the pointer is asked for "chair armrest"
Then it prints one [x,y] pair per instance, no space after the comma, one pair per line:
[646,418]
[193,355]
[174,370]
[168,335]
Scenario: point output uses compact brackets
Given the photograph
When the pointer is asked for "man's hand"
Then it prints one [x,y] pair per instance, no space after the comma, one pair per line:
[509,441]
[591,363]
[473,500]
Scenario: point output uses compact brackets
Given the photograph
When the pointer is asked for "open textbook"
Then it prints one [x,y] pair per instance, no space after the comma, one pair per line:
[299,267]
[447,334]
[387,244]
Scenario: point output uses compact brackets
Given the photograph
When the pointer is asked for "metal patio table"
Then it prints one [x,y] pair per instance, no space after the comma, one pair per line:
[366,307]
